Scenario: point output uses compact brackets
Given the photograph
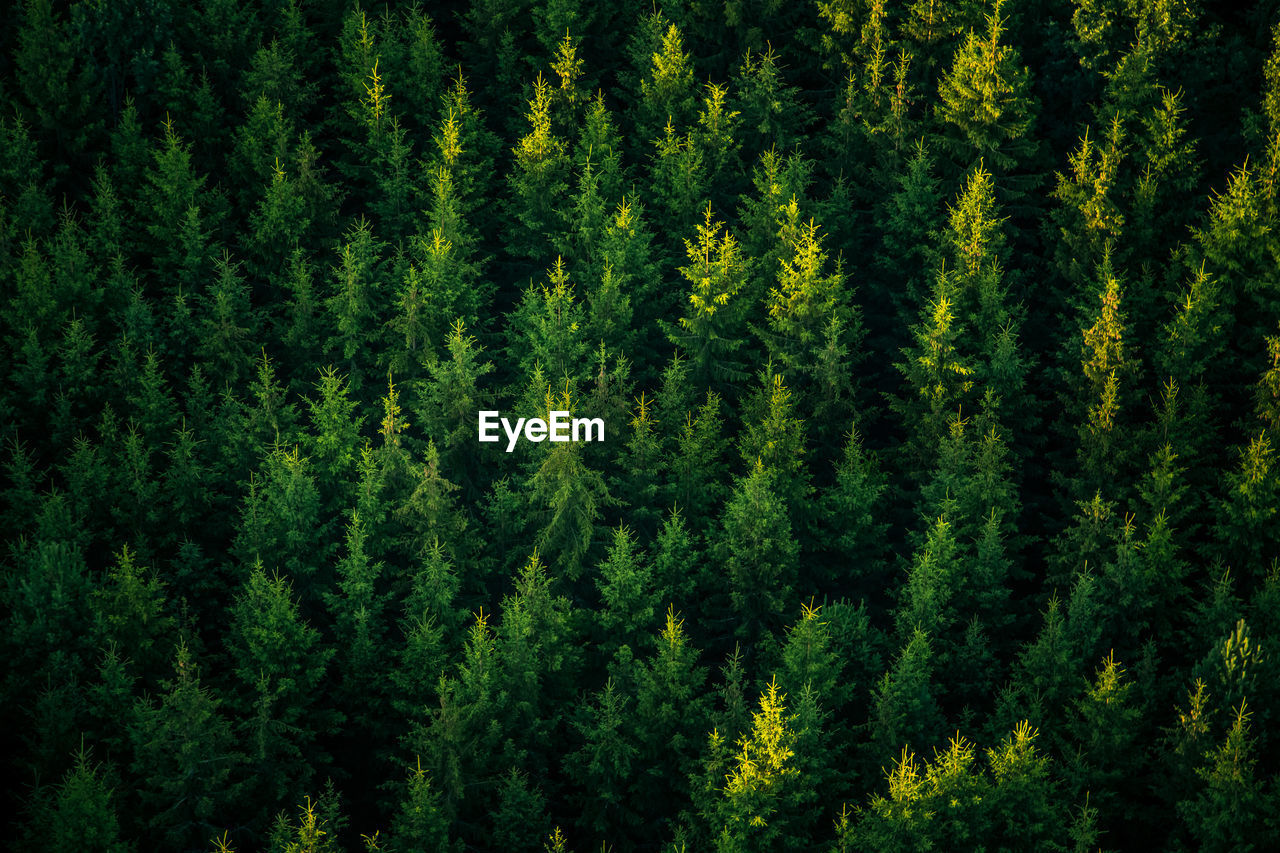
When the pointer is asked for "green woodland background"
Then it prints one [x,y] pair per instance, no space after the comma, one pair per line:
[938,345]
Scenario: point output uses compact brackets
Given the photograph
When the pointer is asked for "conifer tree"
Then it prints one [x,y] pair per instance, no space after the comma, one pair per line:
[80,814]
[186,756]
[25,183]
[986,106]
[1252,489]
[807,308]
[334,438]
[771,111]
[448,399]
[667,89]
[763,782]
[670,718]
[355,307]
[603,765]
[627,255]
[280,520]
[627,593]
[1108,372]
[279,666]
[55,79]
[1091,217]
[1108,723]
[944,801]
[458,745]
[540,179]
[540,662]
[698,475]
[174,203]
[711,330]
[759,553]
[228,325]
[316,830]
[547,330]
[1230,812]
[129,607]
[567,497]
[429,626]
[642,479]
[905,711]
[419,824]
[357,607]
[938,375]
[851,503]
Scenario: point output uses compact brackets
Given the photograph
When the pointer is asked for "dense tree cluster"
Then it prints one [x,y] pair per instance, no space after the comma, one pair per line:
[938,348]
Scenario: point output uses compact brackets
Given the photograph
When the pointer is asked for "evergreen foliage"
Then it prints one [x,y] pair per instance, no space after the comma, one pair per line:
[937,350]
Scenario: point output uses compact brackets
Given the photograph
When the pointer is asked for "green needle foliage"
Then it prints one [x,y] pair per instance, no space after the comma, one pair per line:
[937,350]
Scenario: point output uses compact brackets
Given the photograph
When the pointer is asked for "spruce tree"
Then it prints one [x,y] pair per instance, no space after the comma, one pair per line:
[987,108]
[711,331]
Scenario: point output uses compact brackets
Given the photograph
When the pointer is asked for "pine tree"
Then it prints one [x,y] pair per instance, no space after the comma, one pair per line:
[641,461]
[440,282]
[1107,723]
[547,330]
[129,607]
[25,181]
[566,498]
[938,376]
[541,660]
[1108,373]
[173,200]
[459,743]
[905,713]
[57,82]
[679,179]
[1252,489]
[698,472]
[318,825]
[520,820]
[951,801]
[806,302]
[448,400]
[1091,217]
[280,223]
[774,438]
[333,440]
[714,136]
[463,152]
[627,252]
[228,326]
[772,111]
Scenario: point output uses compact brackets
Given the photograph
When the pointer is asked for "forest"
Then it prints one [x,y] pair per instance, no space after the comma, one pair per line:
[937,349]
